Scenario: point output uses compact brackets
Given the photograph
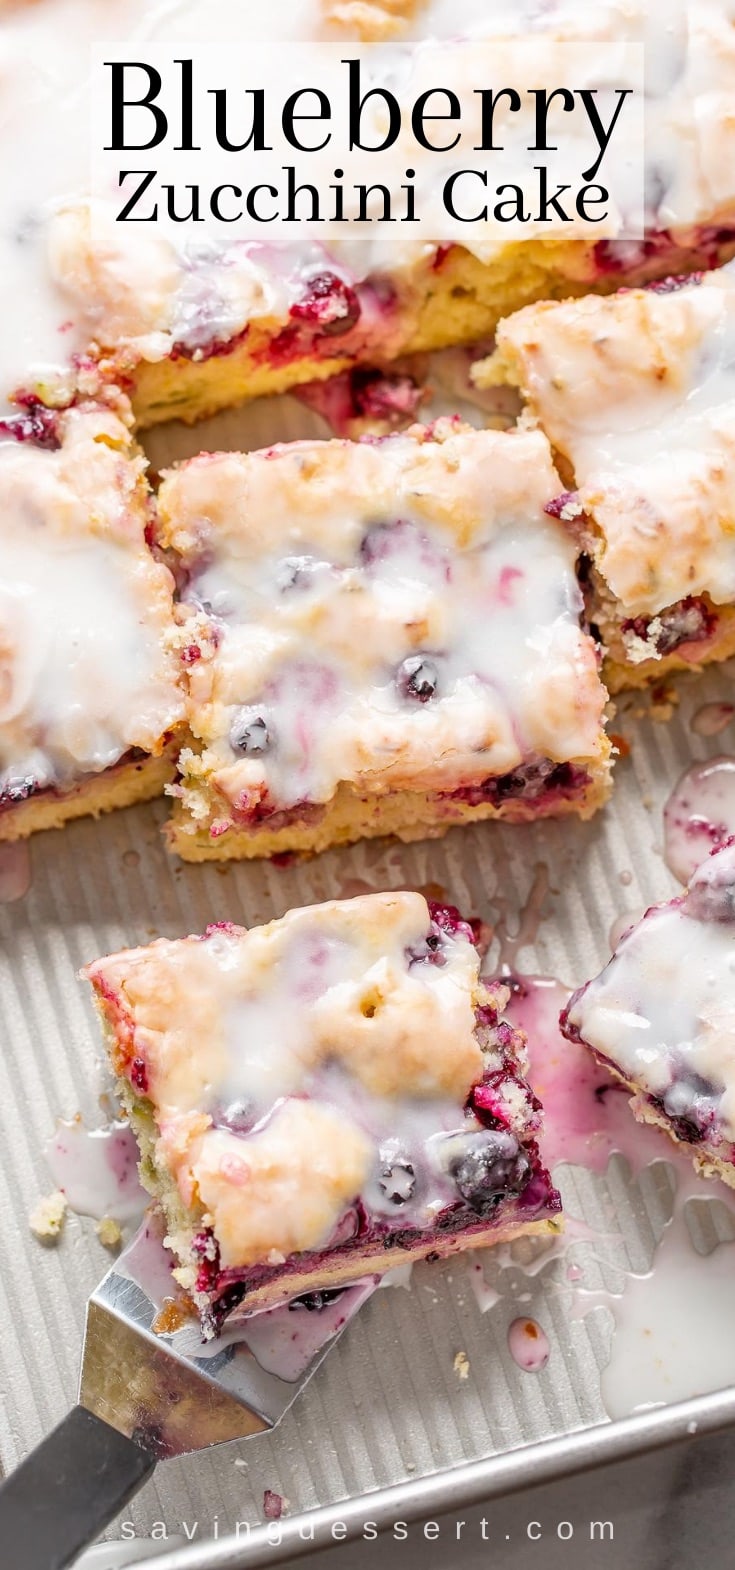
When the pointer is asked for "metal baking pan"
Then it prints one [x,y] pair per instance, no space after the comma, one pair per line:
[387,1429]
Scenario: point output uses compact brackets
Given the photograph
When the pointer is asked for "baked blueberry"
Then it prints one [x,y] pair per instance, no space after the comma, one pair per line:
[298,572]
[397,1180]
[489,1167]
[328,304]
[427,953]
[711,892]
[418,678]
[314,1302]
[249,734]
[239,1116]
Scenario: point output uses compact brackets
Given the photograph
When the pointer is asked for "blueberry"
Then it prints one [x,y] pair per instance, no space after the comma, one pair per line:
[711,893]
[249,734]
[328,304]
[377,543]
[690,1104]
[418,678]
[428,952]
[397,1181]
[19,790]
[239,1116]
[295,572]
[491,1166]
[35,424]
[313,1302]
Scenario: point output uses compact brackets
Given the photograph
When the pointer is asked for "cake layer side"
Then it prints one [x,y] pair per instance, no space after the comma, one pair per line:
[556,790]
[124,784]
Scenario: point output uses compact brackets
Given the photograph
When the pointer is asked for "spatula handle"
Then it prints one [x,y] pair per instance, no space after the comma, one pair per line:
[65,1493]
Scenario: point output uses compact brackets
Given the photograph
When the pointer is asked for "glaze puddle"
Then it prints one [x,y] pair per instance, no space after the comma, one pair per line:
[528,1345]
[712,718]
[15,872]
[97,1170]
[529,920]
[282,1340]
[672,1335]
[586,1113]
[621,925]
[699,814]
[654,1355]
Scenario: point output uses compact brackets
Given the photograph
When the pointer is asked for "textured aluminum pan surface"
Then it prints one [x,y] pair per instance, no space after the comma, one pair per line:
[387,1409]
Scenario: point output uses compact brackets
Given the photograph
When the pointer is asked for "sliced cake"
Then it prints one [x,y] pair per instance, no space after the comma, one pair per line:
[195,316]
[323,1098]
[661,1015]
[89,694]
[636,393]
[384,637]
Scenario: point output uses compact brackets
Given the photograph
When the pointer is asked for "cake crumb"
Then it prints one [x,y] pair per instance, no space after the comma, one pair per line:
[664,700]
[274,1504]
[109,1232]
[461,1365]
[47,1220]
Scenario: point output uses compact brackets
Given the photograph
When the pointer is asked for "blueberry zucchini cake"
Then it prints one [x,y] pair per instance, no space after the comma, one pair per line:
[193,320]
[89,694]
[661,1015]
[384,638]
[323,1098]
[636,394]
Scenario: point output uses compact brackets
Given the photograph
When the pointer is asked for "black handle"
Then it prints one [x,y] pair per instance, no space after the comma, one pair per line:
[67,1491]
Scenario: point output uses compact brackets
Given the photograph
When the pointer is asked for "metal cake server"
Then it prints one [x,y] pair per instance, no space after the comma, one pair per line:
[141,1400]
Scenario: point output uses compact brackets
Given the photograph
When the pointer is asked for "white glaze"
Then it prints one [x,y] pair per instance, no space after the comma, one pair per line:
[653,1356]
[638,392]
[45,53]
[473,553]
[586,1113]
[699,814]
[85,612]
[663,1010]
[97,1170]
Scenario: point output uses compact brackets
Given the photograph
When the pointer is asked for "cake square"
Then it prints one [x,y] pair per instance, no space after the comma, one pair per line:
[384,638]
[636,394]
[89,694]
[661,1016]
[323,1098]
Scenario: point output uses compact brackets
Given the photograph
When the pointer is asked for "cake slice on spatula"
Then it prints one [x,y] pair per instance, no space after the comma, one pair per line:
[323,1098]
